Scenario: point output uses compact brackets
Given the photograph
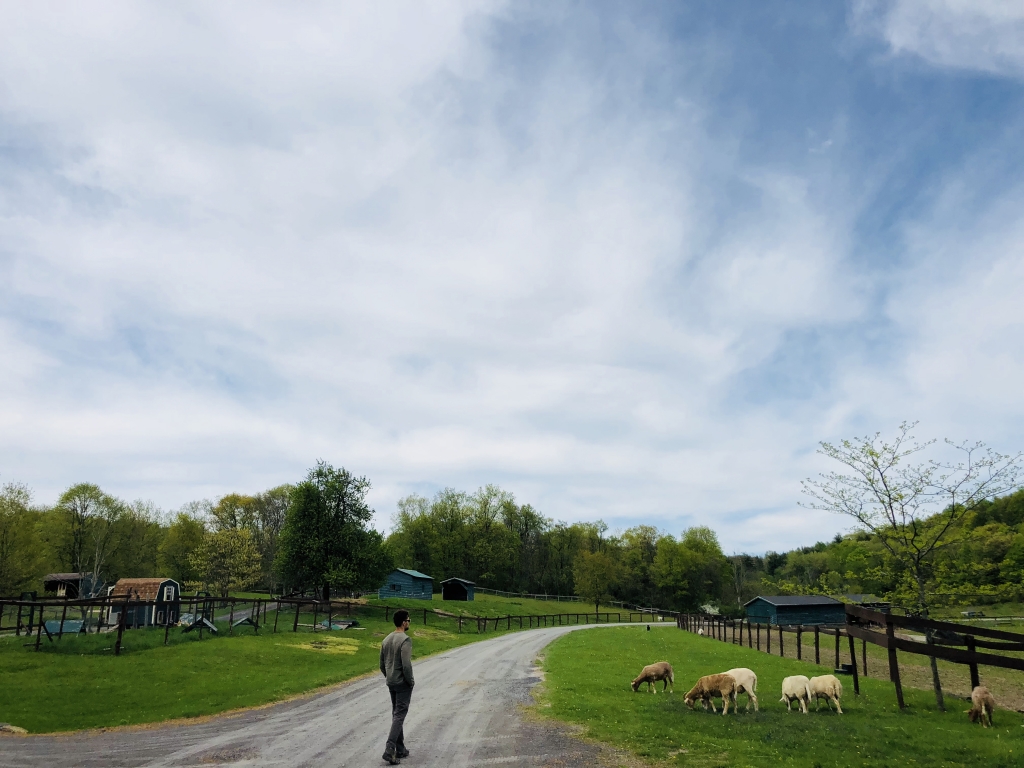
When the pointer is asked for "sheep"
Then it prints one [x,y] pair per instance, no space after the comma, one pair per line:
[652,673]
[711,686]
[982,705]
[796,687]
[829,688]
[747,682]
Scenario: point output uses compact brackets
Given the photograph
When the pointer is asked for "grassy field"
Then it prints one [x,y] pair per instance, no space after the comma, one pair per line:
[493,605]
[78,683]
[587,682]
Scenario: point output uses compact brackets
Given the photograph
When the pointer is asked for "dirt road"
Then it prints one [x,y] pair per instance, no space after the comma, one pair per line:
[464,713]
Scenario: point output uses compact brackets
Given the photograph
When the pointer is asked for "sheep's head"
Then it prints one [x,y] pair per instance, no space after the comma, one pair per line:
[689,699]
[635,685]
[973,714]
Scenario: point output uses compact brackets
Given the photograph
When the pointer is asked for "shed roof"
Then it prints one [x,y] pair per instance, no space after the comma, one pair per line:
[461,581]
[780,600]
[145,589]
[64,576]
[414,574]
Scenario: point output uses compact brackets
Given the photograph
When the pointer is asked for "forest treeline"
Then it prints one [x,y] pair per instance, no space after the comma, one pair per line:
[487,537]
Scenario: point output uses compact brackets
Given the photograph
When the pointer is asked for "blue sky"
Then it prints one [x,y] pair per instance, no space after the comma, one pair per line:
[630,262]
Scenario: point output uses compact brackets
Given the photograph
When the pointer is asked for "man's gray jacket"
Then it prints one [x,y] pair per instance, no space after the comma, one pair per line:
[396,659]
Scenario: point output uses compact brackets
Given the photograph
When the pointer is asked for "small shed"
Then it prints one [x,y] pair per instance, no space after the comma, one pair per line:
[403,582]
[160,598]
[457,589]
[795,609]
[69,585]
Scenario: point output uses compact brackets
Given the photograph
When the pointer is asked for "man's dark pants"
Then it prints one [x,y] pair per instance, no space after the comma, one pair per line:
[401,695]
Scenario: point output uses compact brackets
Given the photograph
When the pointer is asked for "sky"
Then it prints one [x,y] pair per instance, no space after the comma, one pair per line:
[630,262]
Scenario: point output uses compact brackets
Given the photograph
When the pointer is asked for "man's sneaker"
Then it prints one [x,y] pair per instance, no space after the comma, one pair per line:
[391,758]
[403,752]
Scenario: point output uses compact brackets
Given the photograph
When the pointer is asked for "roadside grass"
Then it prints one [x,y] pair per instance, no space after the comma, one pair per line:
[587,683]
[494,606]
[78,683]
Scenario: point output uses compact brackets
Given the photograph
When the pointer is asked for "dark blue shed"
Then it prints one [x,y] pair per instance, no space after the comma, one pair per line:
[795,609]
[406,583]
[457,589]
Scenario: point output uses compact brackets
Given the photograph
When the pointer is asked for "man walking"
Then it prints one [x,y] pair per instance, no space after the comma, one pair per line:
[396,666]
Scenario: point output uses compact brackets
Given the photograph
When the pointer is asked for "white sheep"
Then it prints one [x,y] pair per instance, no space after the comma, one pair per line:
[747,682]
[796,687]
[829,688]
[982,706]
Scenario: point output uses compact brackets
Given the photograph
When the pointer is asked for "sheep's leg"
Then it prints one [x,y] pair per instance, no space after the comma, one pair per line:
[985,714]
[712,702]
[788,702]
[803,706]
[750,697]
[839,709]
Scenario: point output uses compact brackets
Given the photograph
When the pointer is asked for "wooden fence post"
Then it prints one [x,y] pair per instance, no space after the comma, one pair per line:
[768,638]
[277,614]
[894,667]
[120,628]
[799,643]
[782,650]
[853,663]
[231,617]
[63,615]
[837,649]
[295,625]
[864,656]
[167,624]
[39,627]
[975,680]
[17,629]
[817,649]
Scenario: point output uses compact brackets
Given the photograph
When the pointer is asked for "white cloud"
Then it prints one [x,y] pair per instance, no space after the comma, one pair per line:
[985,35]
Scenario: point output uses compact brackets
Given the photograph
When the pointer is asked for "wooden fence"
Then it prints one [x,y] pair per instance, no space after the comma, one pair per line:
[56,617]
[879,629]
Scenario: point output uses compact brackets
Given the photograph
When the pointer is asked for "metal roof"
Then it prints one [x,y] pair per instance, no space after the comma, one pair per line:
[414,574]
[461,581]
[780,600]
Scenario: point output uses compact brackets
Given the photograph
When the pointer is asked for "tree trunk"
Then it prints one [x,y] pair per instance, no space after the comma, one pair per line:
[327,591]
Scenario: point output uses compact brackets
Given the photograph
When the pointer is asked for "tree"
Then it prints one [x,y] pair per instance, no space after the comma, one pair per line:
[184,536]
[326,541]
[89,529]
[912,507]
[595,574]
[20,556]
[227,560]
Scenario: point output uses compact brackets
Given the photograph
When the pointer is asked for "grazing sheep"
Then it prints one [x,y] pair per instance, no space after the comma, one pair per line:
[701,631]
[829,688]
[747,682]
[796,687]
[652,673]
[711,686]
[982,706]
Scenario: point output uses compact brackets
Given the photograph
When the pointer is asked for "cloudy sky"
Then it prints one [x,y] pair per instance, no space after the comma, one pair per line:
[629,261]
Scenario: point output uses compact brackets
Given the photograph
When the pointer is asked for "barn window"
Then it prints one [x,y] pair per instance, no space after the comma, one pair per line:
[159,617]
[168,594]
[396,587]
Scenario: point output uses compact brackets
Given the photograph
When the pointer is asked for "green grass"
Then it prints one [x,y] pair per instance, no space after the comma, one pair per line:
[493,605]
[78,683]
[587,682]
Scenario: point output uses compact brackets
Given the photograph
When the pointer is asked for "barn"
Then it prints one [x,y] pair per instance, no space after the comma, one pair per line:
[795,609]
[403,582]
[457,589]
[70,585]
[162,595]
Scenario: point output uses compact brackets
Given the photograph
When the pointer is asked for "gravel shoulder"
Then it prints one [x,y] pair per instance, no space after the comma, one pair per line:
[465,711]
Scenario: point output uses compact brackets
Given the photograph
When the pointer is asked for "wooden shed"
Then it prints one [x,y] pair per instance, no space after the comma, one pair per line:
[403,582]
[162,598]
[795,609]
[457,589]
[70,585]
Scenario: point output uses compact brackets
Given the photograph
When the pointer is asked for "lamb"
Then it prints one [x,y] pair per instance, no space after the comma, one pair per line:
[652,673]
[829,688]
[710,686]
[747,682]
[982,705]
[796,687]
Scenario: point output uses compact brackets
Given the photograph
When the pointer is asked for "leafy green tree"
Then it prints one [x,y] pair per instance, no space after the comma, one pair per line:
[184,536]
[88,520]
[21,562]
[227,560]
[326,541]
[595,573]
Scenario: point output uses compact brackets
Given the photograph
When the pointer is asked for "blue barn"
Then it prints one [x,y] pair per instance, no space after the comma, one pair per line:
[406,583]
[795,609]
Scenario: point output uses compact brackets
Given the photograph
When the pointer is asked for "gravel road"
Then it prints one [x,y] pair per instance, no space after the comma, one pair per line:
[464,713]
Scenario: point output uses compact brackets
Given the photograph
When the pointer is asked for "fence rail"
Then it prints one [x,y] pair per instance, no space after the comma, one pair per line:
[56,617]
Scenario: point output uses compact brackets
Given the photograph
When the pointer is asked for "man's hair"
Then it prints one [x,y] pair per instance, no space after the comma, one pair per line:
[401,616]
